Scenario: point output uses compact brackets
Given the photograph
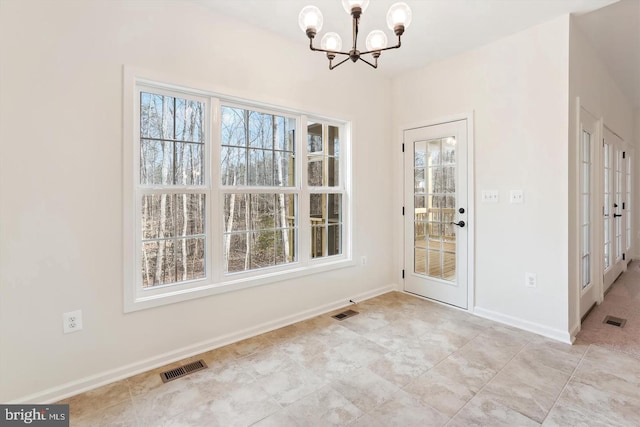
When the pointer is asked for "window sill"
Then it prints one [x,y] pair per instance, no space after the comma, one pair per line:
[180,293]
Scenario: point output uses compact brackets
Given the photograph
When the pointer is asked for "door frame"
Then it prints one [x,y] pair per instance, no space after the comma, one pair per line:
[597,200]
[469,117]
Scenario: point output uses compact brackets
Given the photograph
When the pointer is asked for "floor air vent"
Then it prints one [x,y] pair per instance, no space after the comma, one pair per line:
[174,374]
[615,321]
[345,314]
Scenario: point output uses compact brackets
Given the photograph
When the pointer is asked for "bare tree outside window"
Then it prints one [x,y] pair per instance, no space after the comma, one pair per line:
[202,219]
[171,157]
[257,159]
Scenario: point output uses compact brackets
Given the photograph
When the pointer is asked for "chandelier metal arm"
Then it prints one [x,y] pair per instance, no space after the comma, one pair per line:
[386,48]
[331,66]
[331,52]
[367,62]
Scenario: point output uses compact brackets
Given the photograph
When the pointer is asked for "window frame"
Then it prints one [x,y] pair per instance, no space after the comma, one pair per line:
[216,280]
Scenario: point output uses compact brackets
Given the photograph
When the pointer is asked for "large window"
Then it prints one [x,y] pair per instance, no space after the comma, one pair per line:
[226,194]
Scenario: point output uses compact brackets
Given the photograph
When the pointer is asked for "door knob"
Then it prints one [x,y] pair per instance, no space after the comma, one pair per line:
[616,215]
[459,224]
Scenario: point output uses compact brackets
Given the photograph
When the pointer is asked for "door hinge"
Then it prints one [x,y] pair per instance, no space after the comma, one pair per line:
[624,153]
[623,257]
[403,274]
[403,148]
[403,211]
[623,205]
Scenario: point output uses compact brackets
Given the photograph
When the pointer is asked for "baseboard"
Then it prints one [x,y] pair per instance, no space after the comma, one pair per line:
[574,331]
[72,388]
[536,328]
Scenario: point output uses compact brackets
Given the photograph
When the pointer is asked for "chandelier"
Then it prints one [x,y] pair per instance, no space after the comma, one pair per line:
[398,19]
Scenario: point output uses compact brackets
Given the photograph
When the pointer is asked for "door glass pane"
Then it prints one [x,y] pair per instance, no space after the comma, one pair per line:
[607,211]
[585,190]
[628,202]
[618,206]
[435,178]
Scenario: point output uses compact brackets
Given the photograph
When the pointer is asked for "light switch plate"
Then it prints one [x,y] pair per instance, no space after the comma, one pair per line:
[490,196]
[516,196]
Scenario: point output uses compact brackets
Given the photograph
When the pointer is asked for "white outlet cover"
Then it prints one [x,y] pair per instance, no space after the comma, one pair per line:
[72,321]
[530,280]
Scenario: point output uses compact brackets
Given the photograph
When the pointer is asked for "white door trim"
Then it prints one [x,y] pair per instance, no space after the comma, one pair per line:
[469,117]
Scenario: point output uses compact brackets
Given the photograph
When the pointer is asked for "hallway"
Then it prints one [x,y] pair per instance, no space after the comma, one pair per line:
[622,301]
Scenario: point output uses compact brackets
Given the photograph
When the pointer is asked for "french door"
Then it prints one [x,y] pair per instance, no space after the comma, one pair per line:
[615,213]
[436,212]
[590,289]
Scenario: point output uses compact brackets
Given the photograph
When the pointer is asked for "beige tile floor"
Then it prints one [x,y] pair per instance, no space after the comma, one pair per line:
[402,361]
[623,301]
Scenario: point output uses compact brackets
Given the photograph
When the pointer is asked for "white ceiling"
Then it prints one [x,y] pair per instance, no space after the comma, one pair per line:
[442,28]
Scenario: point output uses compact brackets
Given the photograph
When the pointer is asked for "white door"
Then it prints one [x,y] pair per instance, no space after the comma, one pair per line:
[614,221]
[589,284]
[436,215]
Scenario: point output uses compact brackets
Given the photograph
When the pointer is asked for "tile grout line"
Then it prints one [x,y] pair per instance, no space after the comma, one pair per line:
[555,402]
[488,382]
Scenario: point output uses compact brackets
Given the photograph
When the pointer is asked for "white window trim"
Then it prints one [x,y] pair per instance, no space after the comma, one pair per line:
[216,281]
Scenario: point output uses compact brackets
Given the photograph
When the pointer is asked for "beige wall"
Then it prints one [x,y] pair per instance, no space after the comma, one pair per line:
[61,183]
[517,90]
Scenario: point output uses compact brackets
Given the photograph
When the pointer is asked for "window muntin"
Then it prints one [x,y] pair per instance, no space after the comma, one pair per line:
[258,149]
[326,198]
[323,155]
[176,157]
[260,230]
[257,155]
[171,140]
[172,220]
[173,238]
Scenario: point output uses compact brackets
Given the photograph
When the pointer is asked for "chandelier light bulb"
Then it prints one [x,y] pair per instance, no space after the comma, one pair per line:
[331,41]
[399,14]
[350,4]
[310,20]
[376,40]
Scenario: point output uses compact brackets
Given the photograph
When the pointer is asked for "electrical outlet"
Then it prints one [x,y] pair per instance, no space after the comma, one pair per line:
[530,280]
[72,321]
[363,260]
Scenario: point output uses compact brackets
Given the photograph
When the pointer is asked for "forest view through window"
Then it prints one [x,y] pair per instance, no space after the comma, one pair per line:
[226,192]
[260,201]
[173,219]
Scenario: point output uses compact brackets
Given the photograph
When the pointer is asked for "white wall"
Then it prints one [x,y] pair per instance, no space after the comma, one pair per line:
[517,88]
[600,95]
[61,182]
